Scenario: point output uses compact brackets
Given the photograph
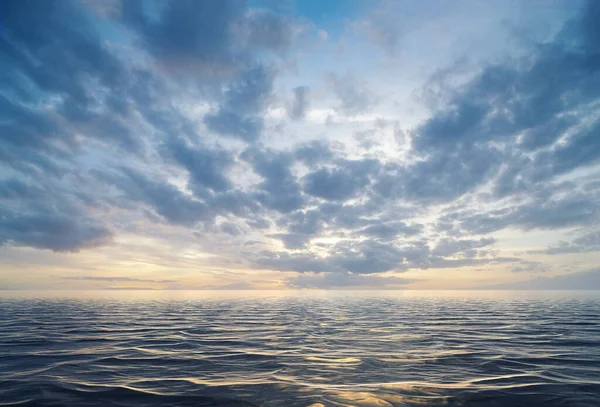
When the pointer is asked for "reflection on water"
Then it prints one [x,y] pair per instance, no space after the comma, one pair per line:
[299,348]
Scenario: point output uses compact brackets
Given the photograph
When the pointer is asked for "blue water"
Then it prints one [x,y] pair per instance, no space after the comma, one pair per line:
[299,348]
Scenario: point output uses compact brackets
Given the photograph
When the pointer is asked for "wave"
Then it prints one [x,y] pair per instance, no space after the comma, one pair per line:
[294,351]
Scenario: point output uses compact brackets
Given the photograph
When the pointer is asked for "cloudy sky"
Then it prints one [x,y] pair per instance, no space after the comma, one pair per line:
[200,144]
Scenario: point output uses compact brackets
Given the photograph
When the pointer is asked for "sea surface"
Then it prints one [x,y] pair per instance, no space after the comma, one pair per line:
[305,348]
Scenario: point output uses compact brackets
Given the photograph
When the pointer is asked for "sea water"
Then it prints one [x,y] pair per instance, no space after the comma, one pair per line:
[299,348]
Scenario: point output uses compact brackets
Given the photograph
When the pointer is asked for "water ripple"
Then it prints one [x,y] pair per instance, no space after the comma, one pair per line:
[301,350]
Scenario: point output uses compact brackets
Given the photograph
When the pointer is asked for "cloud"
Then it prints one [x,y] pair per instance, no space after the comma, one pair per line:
[443,176]
[314,152]
[190,34]
[292,240]
[589,242]
[389,230]
[67,99]
[47,96]
[52,231]
[116,279]
[206,38]
[584,280]
[300,227]
[529,267]
[239,114]
[252,243]
[163,112]
[555,212]
[588,239]
[383,27]
[297,109]
[353,94]
[231,286]
[340,183]
[279,189]
[266,30]
[14,188]
[345,280]
[369,257]
[164,198]
[301,263]
[230,229]
[207,167]
[530,104]
[449,247]
[49,216]
[133,288]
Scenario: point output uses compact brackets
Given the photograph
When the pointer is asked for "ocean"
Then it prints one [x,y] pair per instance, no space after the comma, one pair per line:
[300,348]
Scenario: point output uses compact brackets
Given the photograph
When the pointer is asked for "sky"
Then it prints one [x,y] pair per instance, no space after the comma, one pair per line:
[342,144]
